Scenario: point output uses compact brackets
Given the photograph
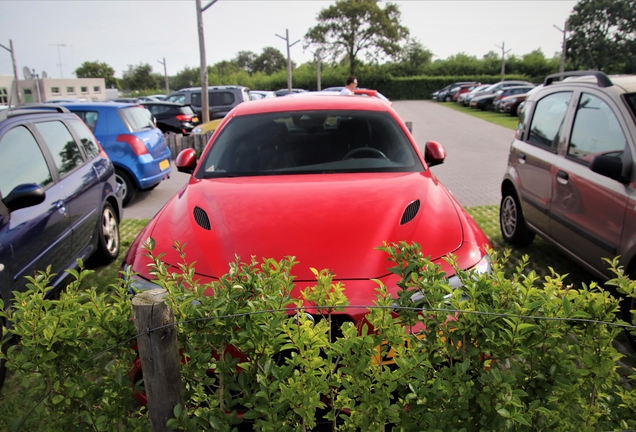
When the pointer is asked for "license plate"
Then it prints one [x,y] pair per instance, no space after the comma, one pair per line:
[164,164]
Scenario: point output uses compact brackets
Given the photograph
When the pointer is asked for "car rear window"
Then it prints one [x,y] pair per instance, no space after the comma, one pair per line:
[306,142]
[136,118]
[187,110]
[178,98]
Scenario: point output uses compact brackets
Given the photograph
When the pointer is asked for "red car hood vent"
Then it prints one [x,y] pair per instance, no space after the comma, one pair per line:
[334,221]
[410,212]
[201,218]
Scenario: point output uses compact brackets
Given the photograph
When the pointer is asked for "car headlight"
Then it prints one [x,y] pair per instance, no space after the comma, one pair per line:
[483,266]
[196,130]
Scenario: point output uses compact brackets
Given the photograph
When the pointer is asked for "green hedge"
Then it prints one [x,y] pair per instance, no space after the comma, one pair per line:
[514,354]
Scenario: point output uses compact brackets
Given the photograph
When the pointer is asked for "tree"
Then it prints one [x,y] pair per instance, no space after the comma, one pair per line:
[603,35]
[412,59]
[353,27]
[98,70]
[141,78]
[269,61]
[245,60]
[188,77]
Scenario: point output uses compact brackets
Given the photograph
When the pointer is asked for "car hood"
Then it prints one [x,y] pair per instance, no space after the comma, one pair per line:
[325,221]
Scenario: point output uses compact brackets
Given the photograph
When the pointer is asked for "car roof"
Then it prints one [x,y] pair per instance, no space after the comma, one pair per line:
[311,101]
[23,110]
[221,87]
[162,103]
[113,105]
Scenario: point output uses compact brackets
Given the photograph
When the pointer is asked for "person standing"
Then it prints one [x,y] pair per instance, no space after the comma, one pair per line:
[352,83]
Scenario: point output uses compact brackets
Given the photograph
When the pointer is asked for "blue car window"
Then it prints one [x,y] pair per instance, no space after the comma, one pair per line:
[66,154]
[136,118]
[87,139]
[22,161]
[89,118]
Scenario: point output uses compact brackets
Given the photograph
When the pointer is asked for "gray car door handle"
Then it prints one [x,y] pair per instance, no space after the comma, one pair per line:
[562,177]
[61,207]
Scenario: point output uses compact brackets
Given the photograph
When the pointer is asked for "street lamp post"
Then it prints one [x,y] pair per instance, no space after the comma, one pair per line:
[165,74]
[289,77]
[563,46]
[205,104]
[15,72]
[503,59]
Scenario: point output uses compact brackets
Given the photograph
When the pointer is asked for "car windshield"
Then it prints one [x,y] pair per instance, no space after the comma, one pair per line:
[136,118]
[305,142]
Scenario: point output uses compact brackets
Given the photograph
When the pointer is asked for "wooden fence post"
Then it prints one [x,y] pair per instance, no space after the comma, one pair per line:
[159,355]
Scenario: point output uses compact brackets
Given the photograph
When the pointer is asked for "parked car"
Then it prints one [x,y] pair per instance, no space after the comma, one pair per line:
[512,104]
[465,98]
[494,88]
[351,177]
[172,117]
[203,128]
[221,99]
[509,91]
[126,100]
[151,98]
[128,135]
[265,93]
[285,92]
[444,95]
[59,200]
[572,169]
[482,102]
[460,90]
[362,92]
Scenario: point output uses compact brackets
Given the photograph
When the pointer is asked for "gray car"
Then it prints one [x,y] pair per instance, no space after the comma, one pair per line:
[221,99]
[571,175]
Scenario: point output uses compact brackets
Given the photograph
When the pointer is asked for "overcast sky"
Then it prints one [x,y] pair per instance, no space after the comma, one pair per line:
[58,36]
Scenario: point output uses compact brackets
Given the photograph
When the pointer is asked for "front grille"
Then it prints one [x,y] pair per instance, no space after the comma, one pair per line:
[410,212]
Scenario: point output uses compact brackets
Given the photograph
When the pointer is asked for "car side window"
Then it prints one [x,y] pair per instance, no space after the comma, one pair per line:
[195,99]
[27,163]
[87,139]
[89,118]
[221,98]
[596,130]
[66,154]
[547,120]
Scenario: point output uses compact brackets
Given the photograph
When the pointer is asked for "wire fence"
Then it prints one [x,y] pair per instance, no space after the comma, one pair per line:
[148,331]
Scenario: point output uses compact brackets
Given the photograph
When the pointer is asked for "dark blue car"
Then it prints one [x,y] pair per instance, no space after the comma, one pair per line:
[133,143]
[59,200]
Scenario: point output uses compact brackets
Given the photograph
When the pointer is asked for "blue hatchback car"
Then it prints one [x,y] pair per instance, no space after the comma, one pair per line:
[134,144]
[59,200]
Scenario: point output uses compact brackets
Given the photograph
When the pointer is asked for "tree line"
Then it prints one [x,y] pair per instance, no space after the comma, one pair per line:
[365,36]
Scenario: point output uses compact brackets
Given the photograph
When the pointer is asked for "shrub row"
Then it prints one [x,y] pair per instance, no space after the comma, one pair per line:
[498,354]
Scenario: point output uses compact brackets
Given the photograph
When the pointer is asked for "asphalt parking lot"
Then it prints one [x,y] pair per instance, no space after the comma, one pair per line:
[477,157]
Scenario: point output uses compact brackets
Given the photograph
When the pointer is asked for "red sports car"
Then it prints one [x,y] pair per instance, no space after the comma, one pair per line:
[324,179]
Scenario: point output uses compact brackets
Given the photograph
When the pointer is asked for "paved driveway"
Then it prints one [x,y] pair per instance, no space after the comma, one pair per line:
[477,157]
[477,150]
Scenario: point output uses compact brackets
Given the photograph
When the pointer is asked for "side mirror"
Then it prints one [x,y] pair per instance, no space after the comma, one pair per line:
[434,153]
[23,196]
[608,166]
[186,161]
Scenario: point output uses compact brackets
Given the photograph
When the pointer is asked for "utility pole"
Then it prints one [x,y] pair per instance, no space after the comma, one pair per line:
[59,57]
[15,71]
[563,45]
[503,59]
[205,103]
[165,74]
[289,77]
[317,54]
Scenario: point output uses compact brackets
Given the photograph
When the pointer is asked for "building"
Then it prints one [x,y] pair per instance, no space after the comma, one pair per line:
[40,90]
